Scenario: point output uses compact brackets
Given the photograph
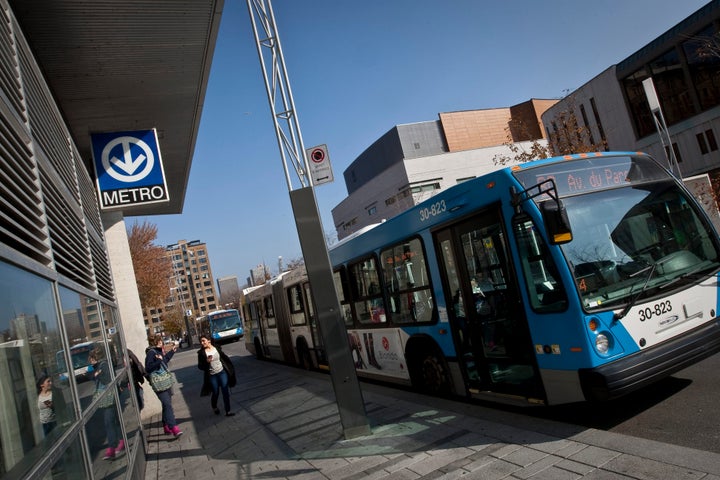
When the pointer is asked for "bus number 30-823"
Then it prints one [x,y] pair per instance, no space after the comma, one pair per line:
[658,309]
[436,209]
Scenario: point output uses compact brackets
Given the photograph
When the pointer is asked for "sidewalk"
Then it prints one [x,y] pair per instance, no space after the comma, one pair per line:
[287,426]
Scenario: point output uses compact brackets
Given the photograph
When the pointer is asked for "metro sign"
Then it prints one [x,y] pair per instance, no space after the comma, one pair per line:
[128,168]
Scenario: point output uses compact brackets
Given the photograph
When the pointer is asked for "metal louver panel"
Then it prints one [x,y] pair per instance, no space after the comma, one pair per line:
[100,261]
[68,238]
[46,123]
[22,224]
[9,76]
[87,195]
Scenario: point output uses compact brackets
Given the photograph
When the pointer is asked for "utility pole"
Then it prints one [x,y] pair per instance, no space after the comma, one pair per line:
[307,220]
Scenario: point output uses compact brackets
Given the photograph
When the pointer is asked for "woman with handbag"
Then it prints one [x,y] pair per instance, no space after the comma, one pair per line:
[218,372]
[156,366]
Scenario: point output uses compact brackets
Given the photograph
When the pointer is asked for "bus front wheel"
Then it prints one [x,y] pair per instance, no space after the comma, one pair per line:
[429,372]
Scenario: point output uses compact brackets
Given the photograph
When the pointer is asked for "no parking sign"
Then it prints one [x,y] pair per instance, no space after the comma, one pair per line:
[319,163]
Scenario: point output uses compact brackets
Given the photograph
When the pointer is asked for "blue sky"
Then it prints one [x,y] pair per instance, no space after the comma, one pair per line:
[359,68]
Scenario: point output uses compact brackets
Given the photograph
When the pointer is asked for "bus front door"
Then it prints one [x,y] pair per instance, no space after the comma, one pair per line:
[489,326]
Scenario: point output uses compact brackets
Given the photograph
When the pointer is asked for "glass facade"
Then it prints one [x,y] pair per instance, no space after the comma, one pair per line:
[686,79]
[65,398]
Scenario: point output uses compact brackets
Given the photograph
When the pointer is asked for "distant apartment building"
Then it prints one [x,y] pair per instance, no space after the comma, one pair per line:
[684,64]
[191,288]
[259,275]
[412,162]
[228,290]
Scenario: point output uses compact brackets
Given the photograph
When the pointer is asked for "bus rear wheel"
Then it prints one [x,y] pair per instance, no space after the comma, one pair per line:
[429,372]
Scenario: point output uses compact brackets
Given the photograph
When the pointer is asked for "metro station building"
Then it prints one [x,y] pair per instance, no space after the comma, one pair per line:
[69,70]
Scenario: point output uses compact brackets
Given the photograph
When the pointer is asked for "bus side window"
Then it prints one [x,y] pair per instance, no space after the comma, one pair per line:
[407,282]
[539,271]
[341,287]
[369,304]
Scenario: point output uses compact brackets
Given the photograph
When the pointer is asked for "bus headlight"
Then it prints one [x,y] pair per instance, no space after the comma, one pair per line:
[602,343]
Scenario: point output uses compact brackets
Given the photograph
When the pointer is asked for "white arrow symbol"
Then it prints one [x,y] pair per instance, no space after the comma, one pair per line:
[127,164]
[128,167]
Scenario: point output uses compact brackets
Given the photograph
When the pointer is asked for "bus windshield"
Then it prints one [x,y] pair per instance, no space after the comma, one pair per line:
[635,232]
[225,321]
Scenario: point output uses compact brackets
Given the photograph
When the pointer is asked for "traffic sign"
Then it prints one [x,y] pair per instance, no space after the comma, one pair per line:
[319,164]
[128,168]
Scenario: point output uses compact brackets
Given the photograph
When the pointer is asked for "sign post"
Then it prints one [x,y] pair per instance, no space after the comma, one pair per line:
[319,165]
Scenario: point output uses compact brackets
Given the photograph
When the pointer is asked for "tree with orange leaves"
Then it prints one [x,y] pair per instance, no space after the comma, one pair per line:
[152,266]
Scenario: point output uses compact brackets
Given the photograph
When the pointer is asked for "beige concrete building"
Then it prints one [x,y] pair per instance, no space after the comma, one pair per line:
[412,162]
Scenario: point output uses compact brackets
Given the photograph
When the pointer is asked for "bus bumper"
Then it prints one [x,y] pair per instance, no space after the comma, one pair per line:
[645,367]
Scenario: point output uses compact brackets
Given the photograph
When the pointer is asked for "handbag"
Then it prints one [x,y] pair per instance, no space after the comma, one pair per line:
[161,379]
[107,400]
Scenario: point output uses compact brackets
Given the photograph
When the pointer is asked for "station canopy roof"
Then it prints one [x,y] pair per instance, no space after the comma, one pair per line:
[119,65]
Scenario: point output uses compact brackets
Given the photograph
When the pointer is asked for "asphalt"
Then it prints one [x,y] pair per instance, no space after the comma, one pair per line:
[287,426]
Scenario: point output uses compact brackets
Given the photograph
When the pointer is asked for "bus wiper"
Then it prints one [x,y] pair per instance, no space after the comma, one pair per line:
[684,275]
[631,303]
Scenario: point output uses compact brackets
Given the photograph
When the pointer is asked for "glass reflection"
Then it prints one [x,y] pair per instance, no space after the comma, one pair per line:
[36,407]
[105,442]
[131,420]
[84,327]
[115,340]
[70,465]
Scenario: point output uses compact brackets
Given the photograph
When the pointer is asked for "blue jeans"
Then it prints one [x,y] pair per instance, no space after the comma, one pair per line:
[168,416]
[217,382]
[112,427]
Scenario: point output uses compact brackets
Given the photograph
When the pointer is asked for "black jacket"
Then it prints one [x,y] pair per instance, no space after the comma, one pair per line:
[137,369]
[205,367]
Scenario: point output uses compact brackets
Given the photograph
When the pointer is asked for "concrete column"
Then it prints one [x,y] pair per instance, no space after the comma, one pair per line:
[128,299]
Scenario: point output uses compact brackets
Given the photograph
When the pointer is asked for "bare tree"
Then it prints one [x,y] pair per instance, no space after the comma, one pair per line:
[152,266]
[295,263]
[570,135]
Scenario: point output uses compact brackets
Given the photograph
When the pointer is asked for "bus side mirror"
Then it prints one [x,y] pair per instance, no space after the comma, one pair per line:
[557,224]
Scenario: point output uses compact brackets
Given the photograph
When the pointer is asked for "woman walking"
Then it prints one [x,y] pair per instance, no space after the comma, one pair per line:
[157,359]
[219,373]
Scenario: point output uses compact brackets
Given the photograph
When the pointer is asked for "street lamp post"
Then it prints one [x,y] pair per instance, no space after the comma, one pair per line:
[186,312]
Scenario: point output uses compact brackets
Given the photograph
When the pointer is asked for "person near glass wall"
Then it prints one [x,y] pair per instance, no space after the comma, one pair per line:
[157,358]
[51,404]
[137,372]
[100,370]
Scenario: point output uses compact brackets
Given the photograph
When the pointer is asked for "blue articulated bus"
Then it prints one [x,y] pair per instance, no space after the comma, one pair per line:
[576,278]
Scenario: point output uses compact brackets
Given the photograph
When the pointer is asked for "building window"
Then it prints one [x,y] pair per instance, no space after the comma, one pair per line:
[416,145]
[390,201]
[712,143]
[596,115]
[583,114]
[702,143]
[464,179]
[676,151]
[706,142]
[372,210]
[703,67]
[425,188]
